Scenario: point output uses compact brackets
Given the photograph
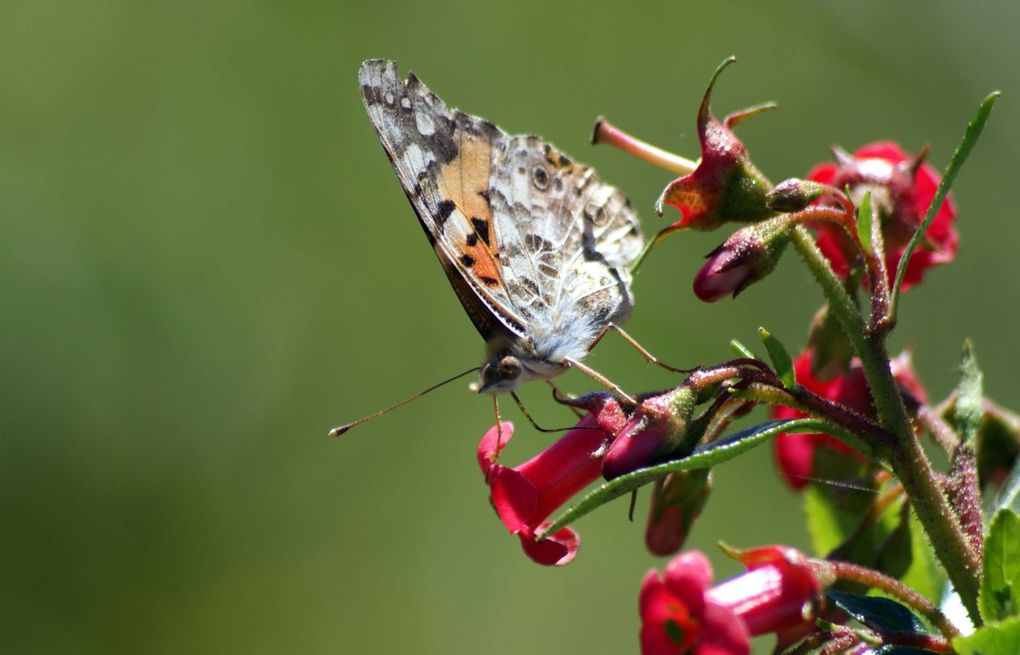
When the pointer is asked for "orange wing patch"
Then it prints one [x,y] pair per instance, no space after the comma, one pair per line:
[465,182]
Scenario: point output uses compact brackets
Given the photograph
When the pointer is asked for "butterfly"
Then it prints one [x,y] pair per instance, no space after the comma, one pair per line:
[536,247]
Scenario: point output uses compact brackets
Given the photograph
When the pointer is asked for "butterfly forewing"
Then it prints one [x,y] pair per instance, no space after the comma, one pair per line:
[442,159]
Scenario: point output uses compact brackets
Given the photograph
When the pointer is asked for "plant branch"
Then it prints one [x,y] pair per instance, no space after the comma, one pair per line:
[909,462]
[871,578]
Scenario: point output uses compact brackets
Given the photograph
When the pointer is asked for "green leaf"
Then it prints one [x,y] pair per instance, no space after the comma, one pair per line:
[879,614]
[741,350]
[1009,497]
[970,138]
[999,597]
[895,554]
[780,357]
[996,639]
[864,221]
[703,456]
[925,575]
[969,400]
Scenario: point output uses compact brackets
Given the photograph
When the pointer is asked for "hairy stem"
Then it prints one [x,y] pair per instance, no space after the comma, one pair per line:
[909,462]
[896,589]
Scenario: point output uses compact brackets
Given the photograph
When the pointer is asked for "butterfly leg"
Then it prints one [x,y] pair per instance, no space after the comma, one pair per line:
[564,399]
[601,379]
[649,357]
[535,425]
[499,431]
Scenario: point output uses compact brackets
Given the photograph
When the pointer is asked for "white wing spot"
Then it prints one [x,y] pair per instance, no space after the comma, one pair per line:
[425,125]
[405,102]
[389,98]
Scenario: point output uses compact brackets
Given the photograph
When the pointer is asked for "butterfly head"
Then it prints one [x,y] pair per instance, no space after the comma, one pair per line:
[501,373]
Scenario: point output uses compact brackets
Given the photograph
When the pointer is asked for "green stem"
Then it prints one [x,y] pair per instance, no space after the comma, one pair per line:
[909,461]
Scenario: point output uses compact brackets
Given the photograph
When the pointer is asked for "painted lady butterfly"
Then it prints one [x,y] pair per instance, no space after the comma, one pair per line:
[536,246]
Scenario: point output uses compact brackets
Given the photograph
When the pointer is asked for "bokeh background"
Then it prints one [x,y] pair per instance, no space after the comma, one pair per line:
[206,262]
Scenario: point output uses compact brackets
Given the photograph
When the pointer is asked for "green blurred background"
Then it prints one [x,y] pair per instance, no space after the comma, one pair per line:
[206,262]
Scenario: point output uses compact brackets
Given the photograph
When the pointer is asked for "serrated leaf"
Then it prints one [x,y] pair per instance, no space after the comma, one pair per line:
[970,396]
[706,455]
[741,350]
[996,639]
[880,614]
[864,221]
[999,597]
[970,138]
[780,356]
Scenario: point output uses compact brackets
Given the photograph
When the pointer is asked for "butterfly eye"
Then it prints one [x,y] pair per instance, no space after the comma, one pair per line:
[509,368]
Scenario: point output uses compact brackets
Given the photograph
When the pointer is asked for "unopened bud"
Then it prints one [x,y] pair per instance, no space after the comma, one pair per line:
[748,255]
[793,195]
[655,429]
[677,500]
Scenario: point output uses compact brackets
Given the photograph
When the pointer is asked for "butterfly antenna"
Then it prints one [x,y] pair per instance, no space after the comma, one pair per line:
[337,431]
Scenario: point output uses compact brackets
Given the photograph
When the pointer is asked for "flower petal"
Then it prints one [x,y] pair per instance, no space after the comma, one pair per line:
[492,443]
[557,549]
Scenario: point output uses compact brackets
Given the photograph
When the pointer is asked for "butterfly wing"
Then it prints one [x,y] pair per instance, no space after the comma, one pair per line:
[567,241]
[443,159]
[535,245]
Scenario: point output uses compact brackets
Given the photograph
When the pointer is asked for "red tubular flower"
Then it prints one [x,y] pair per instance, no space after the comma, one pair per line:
[795,452]
[902,187]
[525,495]
[681,614]
[726,186]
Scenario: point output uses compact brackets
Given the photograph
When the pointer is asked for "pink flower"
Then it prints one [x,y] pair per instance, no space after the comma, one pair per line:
[525,495]
[681,614]
[795,452]
[903,188]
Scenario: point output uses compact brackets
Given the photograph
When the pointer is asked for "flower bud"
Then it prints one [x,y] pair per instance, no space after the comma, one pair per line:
[748,255]
[793,195]
[677,500]
[656,428]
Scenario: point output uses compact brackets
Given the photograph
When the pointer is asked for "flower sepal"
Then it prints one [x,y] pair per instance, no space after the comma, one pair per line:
[726,186]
